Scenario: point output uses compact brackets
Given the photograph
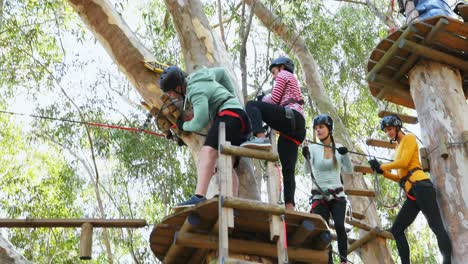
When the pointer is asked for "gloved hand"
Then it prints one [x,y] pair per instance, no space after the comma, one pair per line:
[306,152]
[342,150]
[375,165]
[260,97]
[180,123]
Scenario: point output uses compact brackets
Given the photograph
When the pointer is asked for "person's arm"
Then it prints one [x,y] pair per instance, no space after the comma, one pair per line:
[200,113]
[391,176]
[278,90]
[408,148]
[222,77]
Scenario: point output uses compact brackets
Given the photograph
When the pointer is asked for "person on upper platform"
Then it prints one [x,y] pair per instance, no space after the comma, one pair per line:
[282,110]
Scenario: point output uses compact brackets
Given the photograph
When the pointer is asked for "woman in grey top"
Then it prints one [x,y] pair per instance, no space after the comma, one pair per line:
[328,197]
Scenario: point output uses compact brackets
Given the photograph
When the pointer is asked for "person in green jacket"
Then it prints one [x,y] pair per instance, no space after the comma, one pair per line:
[212,95]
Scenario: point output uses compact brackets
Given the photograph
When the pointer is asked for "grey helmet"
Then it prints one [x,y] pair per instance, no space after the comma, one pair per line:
[390,120]
[287,62]
[324,119]
[172,77]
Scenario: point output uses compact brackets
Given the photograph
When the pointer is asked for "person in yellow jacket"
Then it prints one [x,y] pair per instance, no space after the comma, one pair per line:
[420,192]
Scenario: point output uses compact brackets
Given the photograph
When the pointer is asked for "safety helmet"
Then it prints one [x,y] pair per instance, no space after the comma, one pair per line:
[390,120]
[172,77]
[324,119]
[287,62]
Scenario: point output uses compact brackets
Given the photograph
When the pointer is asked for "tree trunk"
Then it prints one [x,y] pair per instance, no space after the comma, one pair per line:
[377,252]
[8,254]
[202,47]
[442,113]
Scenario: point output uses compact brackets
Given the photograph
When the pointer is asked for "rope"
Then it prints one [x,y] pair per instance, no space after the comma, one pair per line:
[111,126]
[353,152]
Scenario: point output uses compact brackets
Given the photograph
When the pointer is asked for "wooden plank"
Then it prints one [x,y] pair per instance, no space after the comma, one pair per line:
[380,143]
[363,169]
[366,193]
[251,247]
[247,152]
[363,240]
[63,222]
[463,10]
[226,215]
[358,216]
[405,118]
[390,52]
[200,254]
[433,54]
[273,181]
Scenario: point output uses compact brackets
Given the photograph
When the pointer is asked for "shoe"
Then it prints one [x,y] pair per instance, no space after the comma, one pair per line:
[192,201]
[257,143]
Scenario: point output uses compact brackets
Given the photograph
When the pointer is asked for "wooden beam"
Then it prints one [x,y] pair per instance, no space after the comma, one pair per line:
[358,216]
[249,153]
[239,261]
[405,118]
[434,55]
[61,222]
[392,87]
[200,254]
[251,247]
[363,240]
[367,227]
[191,222]
[427,41]
[246,204]
[389,53]
[350,240]
[367,193]
[86,241]
[306,229]
[363,169]
[380,143]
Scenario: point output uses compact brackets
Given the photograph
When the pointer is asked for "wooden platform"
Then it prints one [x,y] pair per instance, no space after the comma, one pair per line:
[440,39]
[250,235]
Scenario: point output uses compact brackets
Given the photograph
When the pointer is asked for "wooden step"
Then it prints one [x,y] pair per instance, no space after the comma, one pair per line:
[364,239]
[367,193]
[363,169]
[380,143]
[405,118]
[357,215]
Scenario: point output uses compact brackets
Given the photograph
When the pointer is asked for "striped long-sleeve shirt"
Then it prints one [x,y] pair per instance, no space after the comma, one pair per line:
[286,88]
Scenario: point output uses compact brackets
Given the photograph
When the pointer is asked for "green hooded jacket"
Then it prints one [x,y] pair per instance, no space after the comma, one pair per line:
[209,90]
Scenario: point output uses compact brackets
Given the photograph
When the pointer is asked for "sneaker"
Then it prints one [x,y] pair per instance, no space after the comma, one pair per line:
[257,143]
[192,201]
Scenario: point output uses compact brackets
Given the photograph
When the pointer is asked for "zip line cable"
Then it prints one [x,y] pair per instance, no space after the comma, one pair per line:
[111,126]
[353,152]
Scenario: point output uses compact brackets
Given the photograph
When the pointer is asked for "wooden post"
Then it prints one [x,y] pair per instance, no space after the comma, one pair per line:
[225,214]
[442,112]
[86,241]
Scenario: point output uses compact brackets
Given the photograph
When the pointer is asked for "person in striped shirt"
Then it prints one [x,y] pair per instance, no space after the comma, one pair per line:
[282,110]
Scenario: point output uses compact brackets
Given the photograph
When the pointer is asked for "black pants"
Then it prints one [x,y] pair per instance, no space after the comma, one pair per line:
[275,117]
[337,208]
[426,202]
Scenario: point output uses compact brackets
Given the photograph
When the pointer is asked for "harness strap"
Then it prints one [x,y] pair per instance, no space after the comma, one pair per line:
[234,114]
[403,180]
[295,141]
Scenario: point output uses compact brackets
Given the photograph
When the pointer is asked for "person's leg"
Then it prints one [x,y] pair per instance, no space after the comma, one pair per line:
[287,151]
[426,198]
[323,210]
[206,165]
[405,217]
[338,211]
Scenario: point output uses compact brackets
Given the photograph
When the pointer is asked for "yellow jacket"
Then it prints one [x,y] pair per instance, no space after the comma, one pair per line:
[406,159]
